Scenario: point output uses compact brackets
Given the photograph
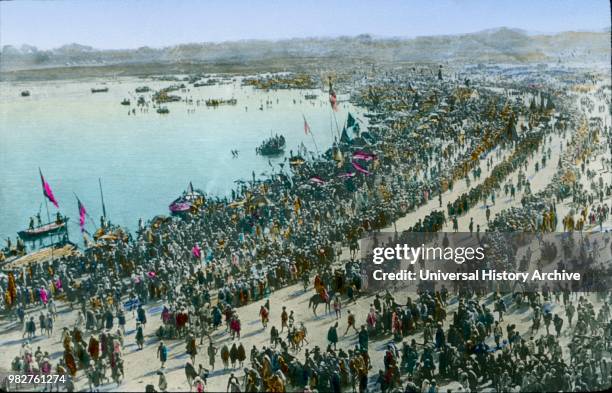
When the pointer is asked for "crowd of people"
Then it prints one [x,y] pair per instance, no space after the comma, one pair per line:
[290,229]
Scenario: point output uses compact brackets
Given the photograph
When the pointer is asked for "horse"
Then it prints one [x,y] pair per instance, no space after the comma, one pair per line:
[297,339]
[315,300]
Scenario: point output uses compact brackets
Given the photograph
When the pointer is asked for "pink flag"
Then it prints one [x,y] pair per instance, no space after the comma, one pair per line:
[360,168]
[306,126]
[82,214]
[47,190]
[196,251]
[333,100]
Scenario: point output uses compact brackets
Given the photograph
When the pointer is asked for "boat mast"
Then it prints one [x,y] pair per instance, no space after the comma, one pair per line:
[102,197]
[48,220]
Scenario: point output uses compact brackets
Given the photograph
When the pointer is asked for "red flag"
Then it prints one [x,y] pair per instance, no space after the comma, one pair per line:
[333,100]
[306,126]
[47,190]
[82,214]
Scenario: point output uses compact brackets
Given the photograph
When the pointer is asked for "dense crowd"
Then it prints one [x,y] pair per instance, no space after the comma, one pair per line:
[290,229]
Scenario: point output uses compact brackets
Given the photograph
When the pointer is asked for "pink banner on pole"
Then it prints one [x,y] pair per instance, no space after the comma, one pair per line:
[82,214]
[47,190]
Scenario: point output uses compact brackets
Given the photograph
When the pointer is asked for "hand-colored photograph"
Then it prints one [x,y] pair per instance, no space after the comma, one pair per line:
[305,196]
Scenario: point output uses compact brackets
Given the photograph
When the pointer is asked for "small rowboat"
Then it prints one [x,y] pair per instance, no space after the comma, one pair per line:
[43,230]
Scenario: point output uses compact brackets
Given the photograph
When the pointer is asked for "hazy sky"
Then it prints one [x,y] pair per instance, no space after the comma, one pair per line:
[135,23]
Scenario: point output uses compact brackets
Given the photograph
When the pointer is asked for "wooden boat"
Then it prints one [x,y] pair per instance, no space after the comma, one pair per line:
[273,146]
[185,203]
[209,82]
[217,102]
[125,102]
[44,230]
[25,93]
[99,90]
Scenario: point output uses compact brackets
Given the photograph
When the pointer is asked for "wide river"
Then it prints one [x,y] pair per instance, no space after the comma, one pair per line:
[144,160]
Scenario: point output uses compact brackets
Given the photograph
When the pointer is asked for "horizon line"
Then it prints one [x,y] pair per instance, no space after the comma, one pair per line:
[321,37]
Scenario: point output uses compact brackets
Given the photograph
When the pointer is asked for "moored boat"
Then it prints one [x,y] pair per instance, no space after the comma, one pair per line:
[99,90]
[163,110]
[190,200]
[44,230]
[125,102]
[25,93]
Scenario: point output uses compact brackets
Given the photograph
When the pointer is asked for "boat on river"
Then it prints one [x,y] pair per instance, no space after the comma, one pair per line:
[99,90]
[51,228]
[272,146]
[217,102]
[189,201]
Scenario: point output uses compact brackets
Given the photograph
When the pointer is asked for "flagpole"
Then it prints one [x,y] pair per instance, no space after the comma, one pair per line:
[91,220]
[45,198]
[48,215]
[102,197]
[52,235]
[337,128]
[311,133]
[334,106]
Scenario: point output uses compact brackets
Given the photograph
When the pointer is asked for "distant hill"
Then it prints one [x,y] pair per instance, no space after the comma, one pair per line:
[501,45]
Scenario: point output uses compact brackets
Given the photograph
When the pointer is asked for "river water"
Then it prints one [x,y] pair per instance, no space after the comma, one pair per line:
[146,160]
